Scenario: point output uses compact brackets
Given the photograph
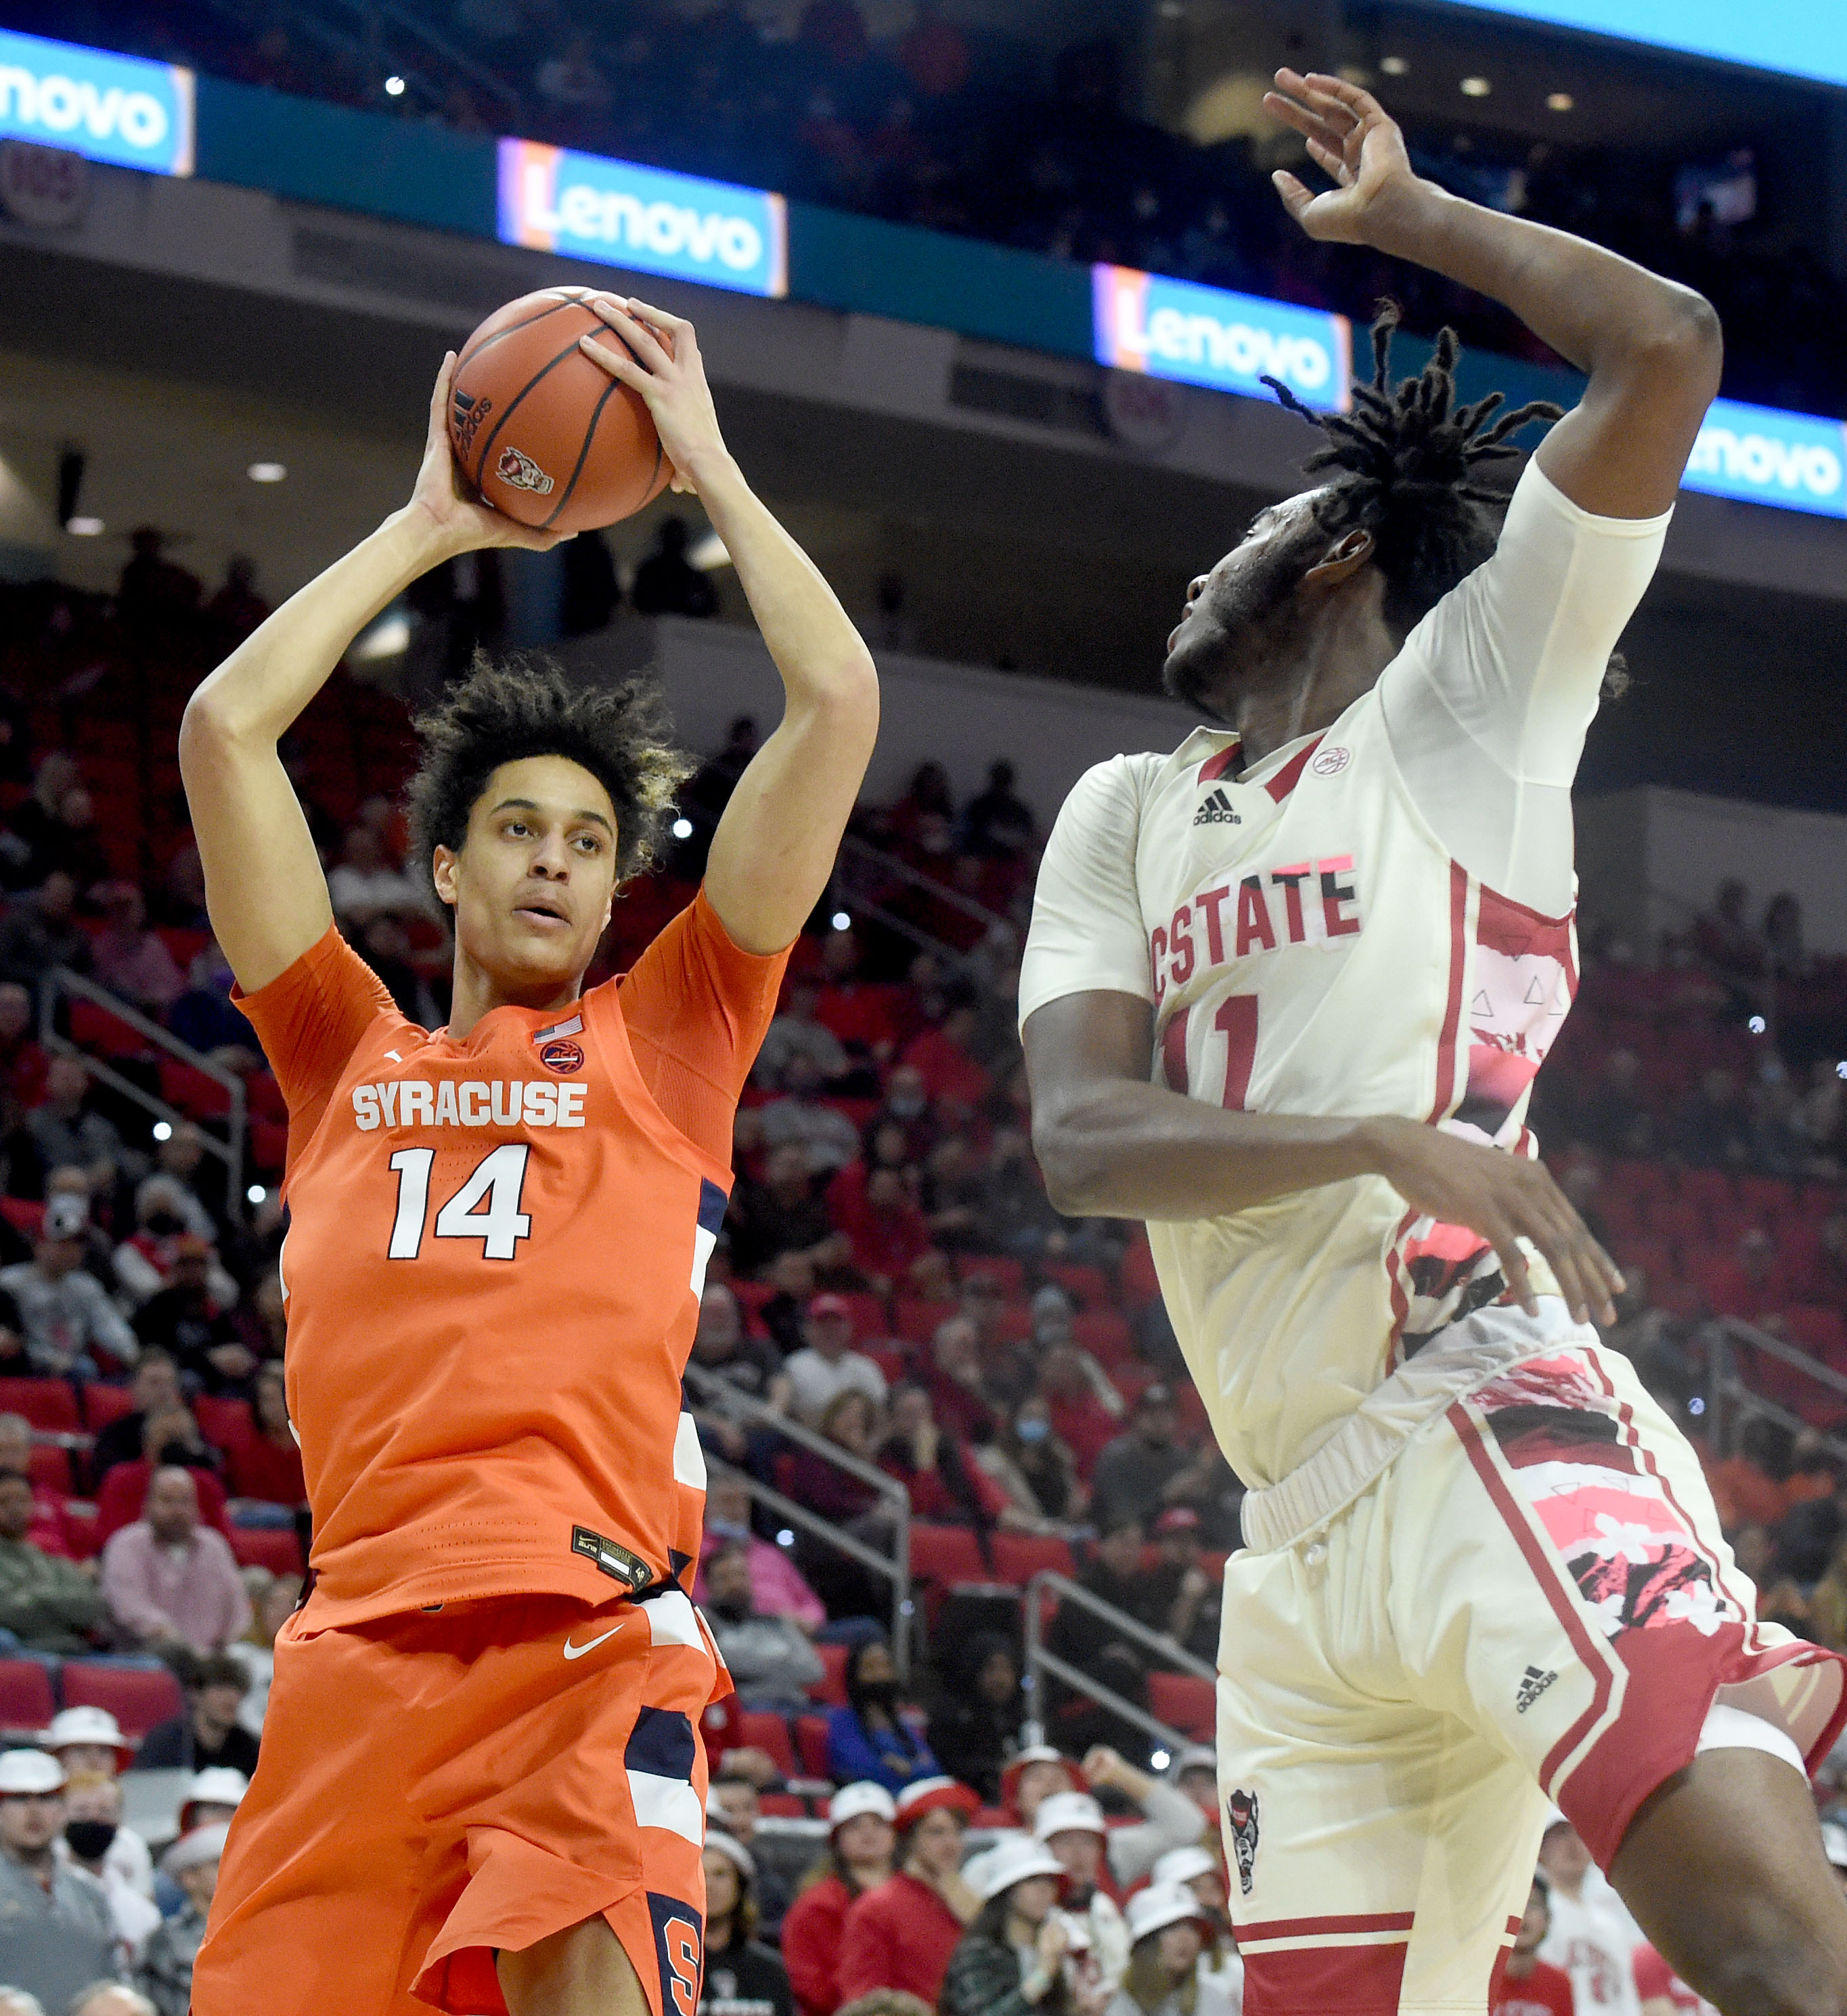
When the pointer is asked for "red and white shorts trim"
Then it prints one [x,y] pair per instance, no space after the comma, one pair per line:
[1532,1602]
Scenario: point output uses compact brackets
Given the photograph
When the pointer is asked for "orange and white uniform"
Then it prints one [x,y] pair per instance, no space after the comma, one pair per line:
[482,1728]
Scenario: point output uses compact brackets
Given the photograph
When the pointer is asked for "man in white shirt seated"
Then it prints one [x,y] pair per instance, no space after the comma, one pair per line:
[827,1366]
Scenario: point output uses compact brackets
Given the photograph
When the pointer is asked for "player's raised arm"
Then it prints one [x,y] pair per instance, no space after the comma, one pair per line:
[1652,349]
[264,887]
[774,847]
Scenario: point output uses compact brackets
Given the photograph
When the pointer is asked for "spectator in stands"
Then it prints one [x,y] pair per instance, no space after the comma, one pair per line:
[43,932]
[385,945]
[165,1974]
[187,1318]
[55,1530]
[782,1214]
[770,1658]
[204,1017]
[1071,1825]
[937,1471]
[1750,1285]
[23,1061]
[861,1840]
[1012,1956]
[1079,1410]
[172,1582]
[57,1935]
[826,1366]
[1187,1595]
[366,885]
[666,583]
[954,1196]
[569,80]
[129,958]
[906,1108]
[777,1587]
[93,1838]
[66,1315]
[878,1735]
[69,845]
[208,1736]
[1162,1977]
[180,1160]
[1524,1984]
[734,1804]
[107,1998]
[156,1390]
[975,1727]
[903,1934]
[266,1463]
[723,1347]
[1591,1933]
[997,823]
[46,1604]
[236,609]
[1712,1127]
[67,1130]
[953,1082]
[1723,937]
[91,1740]
[256,1650]
[1115,1575]
[1782,937]
[741,1974]
[1031,1464]
[953,1379]
[1172,1817]
[1146,1469]
[889,1233]
[34,817]
[153,590]
[798,1119]
[859,1011]
[172,1438]
[795,1033]
[1033,1775]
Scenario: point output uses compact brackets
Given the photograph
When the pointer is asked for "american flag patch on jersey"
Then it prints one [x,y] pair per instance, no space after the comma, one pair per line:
[574,1026]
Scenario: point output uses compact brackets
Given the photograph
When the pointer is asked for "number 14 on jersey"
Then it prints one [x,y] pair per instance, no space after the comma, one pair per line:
[487,1207]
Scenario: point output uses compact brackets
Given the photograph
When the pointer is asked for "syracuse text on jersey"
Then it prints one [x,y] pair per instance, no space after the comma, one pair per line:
[416,1102]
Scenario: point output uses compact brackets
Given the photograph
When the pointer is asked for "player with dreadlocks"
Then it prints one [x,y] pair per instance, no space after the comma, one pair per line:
[1284,996]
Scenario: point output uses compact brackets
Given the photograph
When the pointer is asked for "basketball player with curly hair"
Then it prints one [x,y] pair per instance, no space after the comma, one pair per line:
[481,1787]
[1284,996]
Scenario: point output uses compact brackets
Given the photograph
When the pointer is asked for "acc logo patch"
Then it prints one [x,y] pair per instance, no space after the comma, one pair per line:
[519,472]
[1330,762]
[561,1055]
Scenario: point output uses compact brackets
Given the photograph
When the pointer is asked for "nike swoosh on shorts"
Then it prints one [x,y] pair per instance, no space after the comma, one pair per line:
[577,1651]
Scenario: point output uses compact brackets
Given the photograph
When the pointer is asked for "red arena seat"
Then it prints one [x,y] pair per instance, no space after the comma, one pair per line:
[1019,1557]
[138,1700]
[49,1404]
[757,1729]
[945,1555]
[272,1547]
[832,1685]
[25,1700]
[811,1744]
[1184,1702]
[104,1404]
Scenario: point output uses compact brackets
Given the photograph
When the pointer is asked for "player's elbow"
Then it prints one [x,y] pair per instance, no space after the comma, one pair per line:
[1684,341]
[1075,1173]
[206,735]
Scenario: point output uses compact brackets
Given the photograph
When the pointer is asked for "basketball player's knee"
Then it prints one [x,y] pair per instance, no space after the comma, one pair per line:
[1776,1973]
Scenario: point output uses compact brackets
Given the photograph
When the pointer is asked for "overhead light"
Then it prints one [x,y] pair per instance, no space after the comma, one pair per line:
[81,527]
[388,637]
[393,87]
[162,1130]
[1560,101]
[267,472]
[1476,87]
[707,553]
[1394,66]
[840,921]
[682,828]
[255,1194]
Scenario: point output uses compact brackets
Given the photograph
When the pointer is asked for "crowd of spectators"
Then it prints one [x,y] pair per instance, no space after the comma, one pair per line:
[973,132]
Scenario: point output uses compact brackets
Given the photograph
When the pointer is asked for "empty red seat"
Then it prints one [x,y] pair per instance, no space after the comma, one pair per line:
[1019,1557]
[1011,1274]
[104,1034]
[1105,1334]
[868,1312]
[48,1463]
[1090,1287]
[269,1146]
[1818,1330]
[832,1685]
[223,1422]
[46,1403]
[195,1093]
[272,1547]
[810,1743]
[916,1322]
[782,1805]
[140,1701]
[757,1729]
[26,1699]
[104,1404]
[1184,1702]
[25,1215]
[945,1555]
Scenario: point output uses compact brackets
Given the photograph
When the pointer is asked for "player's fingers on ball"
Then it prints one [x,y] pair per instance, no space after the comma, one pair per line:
[646,347]
[618,363]
[658,317]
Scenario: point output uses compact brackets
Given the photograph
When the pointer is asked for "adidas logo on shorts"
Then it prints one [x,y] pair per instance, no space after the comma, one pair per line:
[1534,1684]
[1217,811]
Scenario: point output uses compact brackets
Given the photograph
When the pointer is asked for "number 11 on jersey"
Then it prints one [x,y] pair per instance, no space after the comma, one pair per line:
[487,1207]
[1237,1021]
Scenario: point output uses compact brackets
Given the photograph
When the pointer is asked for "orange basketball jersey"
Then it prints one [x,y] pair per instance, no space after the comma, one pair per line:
[492,1273]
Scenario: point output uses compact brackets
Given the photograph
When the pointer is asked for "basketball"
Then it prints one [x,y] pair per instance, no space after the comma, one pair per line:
[539,430]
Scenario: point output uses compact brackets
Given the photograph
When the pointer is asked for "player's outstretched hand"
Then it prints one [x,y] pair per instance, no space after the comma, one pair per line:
[460,520]
[658,357]
[1352,138]
[1506,1198]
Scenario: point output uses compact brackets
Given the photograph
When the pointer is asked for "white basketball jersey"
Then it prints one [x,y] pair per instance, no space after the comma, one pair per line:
[1339,930]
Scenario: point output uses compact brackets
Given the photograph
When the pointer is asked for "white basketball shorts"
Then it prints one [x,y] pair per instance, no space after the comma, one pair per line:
[1531,1602]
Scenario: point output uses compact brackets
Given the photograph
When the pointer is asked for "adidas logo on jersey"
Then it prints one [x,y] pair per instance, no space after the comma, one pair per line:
[1217,811]
[1534,1683]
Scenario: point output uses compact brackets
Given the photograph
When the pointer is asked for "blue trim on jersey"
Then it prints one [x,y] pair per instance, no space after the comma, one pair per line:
[661,1744]
[711,1206]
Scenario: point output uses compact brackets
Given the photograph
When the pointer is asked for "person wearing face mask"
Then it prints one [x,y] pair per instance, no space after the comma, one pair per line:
[778,1587]
[190,1318]
[1033,1464]
[93,1840]
[57,1935]
[770,1658]
[89,1742]
[878,1735]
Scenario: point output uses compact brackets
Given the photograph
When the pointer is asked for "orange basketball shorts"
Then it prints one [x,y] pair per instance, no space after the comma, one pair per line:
[435,1787]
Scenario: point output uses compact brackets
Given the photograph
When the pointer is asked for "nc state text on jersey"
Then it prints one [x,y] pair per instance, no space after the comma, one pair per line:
[1307,903]
[519,1102]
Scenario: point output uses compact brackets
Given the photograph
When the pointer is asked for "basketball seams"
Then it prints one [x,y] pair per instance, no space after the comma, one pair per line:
[583,452]
[513,328]
[513,406]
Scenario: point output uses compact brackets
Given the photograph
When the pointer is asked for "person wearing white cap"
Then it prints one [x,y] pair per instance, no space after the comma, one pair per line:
[165,1975]
[93,1838]
[743,1974]
[1071,1825]
[733,1802]
[1197,1869]
[903,1934]
[90,1740]
[1163,1979]
[1591,1937]
[57,1935]
[861,1840]
[1011,1959]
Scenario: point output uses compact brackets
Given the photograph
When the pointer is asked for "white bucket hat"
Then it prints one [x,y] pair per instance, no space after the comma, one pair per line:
[88,1725]
[1181,1865]
[1067,1812]
[862,1796]
[28,1771]
[1158,1906]
[1012,1859]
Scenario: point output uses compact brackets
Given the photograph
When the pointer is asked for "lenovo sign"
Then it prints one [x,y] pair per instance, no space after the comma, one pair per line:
[1798,461]
[1209,336]
[645,219]
[122,110]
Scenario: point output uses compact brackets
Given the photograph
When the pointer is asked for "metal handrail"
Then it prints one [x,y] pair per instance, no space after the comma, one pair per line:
[853,848]
[712,1388]
[1039,1661]
[1725,1384]
[229,1151]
